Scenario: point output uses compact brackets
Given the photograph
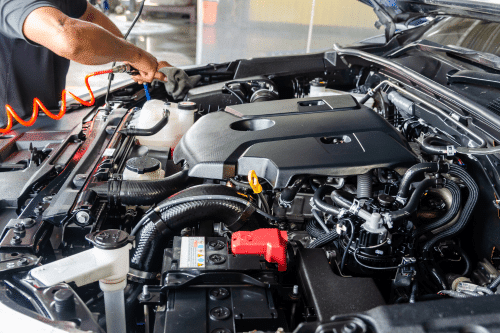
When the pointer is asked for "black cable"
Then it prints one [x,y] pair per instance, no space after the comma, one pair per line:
[111,76]
[226,86]
[379,268]
[465,257]
[264,201]
[320,220]
[348,246]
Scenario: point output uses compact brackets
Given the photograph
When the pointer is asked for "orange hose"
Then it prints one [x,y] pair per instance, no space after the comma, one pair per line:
[38,104]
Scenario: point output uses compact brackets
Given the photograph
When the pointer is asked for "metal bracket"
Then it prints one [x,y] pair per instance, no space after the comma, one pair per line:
[354,209]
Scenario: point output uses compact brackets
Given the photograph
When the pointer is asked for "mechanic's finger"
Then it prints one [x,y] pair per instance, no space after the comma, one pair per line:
[160,76]
[162,64]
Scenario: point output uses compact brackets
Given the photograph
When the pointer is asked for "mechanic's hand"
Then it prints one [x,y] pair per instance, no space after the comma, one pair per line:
[159,75]
[147,65]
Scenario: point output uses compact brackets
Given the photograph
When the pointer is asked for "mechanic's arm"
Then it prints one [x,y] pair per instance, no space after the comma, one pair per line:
[87,43]
[95,16]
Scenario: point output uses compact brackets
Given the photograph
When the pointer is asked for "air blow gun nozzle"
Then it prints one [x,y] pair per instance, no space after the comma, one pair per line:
[125,69]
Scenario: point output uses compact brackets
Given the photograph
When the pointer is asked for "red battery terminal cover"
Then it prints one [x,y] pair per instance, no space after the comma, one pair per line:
[271,243]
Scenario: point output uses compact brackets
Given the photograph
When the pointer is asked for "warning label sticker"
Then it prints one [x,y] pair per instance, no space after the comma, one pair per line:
[192,252]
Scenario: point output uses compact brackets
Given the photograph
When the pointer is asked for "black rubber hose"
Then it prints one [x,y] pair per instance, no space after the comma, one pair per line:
[466,212]
[289,193]
[456,202]
[320,204]
[340,200]
[142,193]
[147,131]
[416,171]
[412,204]
[435,146]
[153,235]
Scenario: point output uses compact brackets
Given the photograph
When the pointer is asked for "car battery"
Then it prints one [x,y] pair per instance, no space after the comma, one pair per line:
[212,290]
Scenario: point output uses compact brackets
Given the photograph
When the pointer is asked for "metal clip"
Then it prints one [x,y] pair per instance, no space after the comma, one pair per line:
[354,209]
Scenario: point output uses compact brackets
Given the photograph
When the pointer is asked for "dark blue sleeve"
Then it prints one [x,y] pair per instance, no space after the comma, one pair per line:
[13,13]
[76,8]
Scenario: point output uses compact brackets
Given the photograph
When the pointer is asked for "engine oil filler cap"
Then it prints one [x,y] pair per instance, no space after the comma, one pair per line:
[142,165]
[187,106]
[271,243]
[109,239]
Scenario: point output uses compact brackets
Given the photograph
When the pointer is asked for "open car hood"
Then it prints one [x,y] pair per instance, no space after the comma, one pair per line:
[401,10]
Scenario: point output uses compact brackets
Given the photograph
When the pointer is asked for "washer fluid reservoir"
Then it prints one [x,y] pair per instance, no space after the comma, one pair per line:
[180,120]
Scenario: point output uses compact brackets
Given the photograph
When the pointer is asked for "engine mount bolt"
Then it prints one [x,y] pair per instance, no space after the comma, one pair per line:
[19,228]
[146,295]
[23,262]
[220,313]
[16,240]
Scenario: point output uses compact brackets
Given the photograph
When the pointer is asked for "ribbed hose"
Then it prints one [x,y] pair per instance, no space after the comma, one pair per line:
[466,212]
[153,235]
[450,214]
[324,239]
[313,230]
[454,294]
[364,189]
[142,193]
[494,285]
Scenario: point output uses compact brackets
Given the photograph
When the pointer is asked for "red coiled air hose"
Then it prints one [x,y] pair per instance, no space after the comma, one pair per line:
[38,104]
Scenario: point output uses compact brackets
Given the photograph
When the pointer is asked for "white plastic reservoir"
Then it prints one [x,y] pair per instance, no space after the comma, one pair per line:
[180,120]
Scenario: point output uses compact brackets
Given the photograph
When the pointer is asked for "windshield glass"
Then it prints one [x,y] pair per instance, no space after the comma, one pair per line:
[469,33]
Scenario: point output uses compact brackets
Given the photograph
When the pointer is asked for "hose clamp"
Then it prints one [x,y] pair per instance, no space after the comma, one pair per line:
[341,213]
[283,203]
[388,220]
[354,209]
[450,151]
[401,200]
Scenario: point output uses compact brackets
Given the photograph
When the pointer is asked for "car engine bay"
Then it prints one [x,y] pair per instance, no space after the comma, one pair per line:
[294,194]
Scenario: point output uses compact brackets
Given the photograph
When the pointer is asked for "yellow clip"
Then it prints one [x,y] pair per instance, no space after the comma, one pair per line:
[254,182]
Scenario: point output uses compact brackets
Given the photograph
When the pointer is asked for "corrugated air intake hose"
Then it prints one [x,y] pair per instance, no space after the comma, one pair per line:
[171,219]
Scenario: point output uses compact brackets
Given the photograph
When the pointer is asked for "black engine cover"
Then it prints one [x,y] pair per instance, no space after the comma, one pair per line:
[332,136]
